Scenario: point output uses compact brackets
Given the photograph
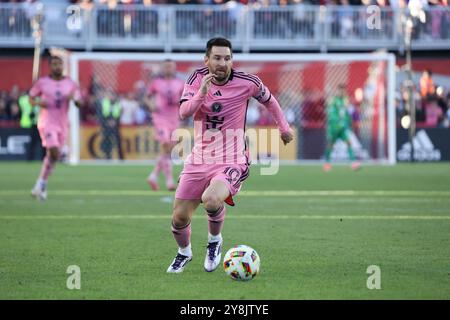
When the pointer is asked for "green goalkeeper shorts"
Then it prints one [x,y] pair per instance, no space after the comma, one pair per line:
[334,134]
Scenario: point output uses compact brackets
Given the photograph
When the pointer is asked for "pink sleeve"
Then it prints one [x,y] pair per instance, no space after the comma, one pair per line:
[277,114]
[263,95]
[191,106]
[35,89]
[191,98]
[76,92]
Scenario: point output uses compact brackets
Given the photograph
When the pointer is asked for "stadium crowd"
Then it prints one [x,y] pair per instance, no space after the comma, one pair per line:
[432,103]
[119,18]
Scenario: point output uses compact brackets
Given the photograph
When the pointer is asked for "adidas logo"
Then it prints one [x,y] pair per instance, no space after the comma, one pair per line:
[423,149]
[217,93]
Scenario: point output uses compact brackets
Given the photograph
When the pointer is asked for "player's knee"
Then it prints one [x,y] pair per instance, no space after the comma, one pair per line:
[54,154]
[211,202]
[179,217]
[166,148]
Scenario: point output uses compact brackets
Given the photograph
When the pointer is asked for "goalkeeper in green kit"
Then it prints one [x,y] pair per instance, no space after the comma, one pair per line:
[339,125]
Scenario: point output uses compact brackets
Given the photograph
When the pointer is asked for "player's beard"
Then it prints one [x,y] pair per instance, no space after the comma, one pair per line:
[57,73]
[222,75]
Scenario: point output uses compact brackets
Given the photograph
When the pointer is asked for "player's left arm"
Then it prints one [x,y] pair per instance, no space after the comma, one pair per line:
[264,96]
[75,96]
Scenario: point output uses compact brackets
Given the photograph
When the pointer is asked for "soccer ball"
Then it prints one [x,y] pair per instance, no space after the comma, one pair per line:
[241,263]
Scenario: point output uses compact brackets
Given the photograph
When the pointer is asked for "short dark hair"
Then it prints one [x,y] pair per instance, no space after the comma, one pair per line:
[51,58]
[217,42]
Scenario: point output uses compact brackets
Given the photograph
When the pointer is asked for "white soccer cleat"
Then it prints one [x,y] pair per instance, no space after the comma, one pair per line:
[178,264]
[213,255]
[39,194]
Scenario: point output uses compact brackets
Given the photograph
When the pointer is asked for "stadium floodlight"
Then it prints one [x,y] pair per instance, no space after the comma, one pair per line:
[410,18]
[36,24]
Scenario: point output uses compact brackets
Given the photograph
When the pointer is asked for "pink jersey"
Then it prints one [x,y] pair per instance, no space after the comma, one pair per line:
[55,93]
[219,122]
[166,92]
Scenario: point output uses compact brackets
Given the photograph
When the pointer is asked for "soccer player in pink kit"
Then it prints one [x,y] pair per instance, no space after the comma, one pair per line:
[52,93]
[217,96]
[165,92]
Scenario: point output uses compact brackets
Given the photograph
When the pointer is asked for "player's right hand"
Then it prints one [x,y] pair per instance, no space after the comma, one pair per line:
[287,136]
[41,103]
[206,83]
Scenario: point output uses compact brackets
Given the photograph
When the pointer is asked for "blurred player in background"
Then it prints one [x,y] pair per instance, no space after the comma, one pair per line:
[217,96]
[339,126]
[163,101]
[52,94]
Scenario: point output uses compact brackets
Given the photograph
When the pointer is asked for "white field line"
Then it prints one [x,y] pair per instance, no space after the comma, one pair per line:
[252,193]
[229,217]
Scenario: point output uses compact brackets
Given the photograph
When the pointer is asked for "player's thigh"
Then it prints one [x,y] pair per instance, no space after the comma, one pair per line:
[225,184]
[340,135]
[167,147]
[215,194]
[331,137]
[192,182]
[163,134]
[183,210]
[49,137]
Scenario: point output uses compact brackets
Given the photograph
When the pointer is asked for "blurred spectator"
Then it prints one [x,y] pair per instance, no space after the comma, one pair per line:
[312,109]
[433,114]
[3,112]
[440,95]
[427,87]
[29,119]
[109,116]
[14,111]
[130,108]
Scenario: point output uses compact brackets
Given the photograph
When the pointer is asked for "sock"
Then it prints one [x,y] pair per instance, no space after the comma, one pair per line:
[46,169]
[186,251]
[40,184]
[167,168]
[215,238]
[158,167]
[182,236]
[215,220]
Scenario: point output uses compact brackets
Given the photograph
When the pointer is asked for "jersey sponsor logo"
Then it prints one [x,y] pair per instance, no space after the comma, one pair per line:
[216,107]
[214,122]
[424,149]
[218,93]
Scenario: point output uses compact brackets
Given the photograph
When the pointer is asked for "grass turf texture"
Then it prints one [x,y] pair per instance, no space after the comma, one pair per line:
[316,234]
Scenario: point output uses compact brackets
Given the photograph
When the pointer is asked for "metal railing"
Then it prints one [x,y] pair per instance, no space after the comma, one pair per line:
[187,27]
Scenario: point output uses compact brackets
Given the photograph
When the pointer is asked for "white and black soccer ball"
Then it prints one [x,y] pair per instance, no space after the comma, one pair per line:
[241,263]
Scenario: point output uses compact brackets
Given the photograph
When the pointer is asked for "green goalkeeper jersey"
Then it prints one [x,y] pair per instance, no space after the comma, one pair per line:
[338,117]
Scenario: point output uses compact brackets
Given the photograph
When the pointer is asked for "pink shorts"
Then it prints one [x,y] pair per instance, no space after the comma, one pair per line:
[52,137]
[195,178]
[163,133]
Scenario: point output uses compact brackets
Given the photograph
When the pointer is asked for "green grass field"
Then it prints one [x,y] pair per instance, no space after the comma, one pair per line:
[316,234]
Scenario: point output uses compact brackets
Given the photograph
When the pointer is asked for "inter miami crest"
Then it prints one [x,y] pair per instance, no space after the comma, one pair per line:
[216,107]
